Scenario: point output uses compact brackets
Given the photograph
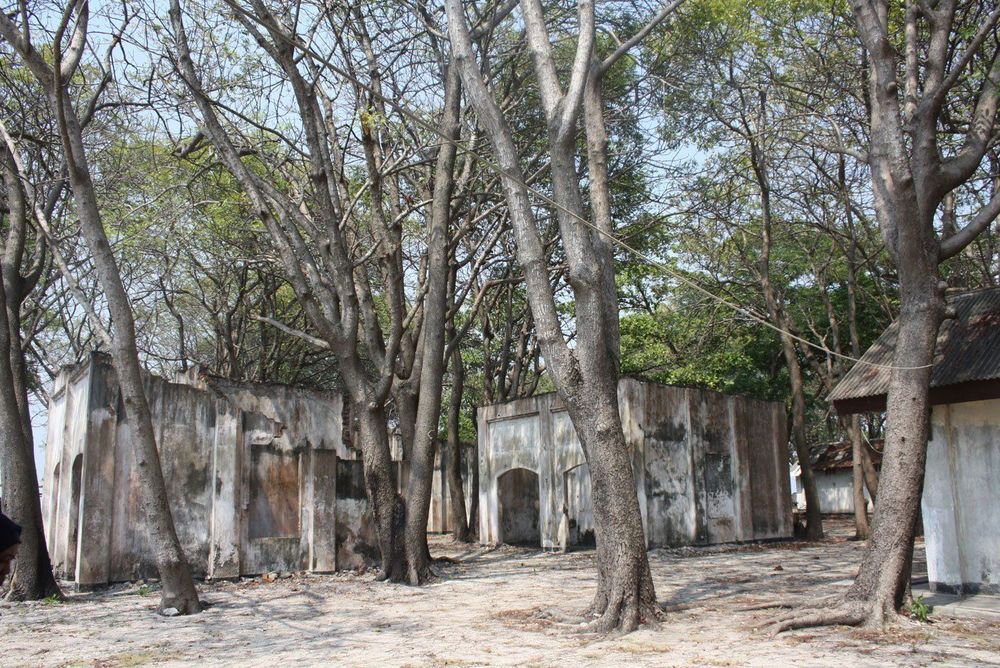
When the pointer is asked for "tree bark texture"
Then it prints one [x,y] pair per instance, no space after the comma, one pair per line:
[861,526]
[386,505]
[586,376]
[459,522]
[432,358]
[33,578]
[178,589]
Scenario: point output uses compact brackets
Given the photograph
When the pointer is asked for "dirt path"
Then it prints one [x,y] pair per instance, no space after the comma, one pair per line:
[485,610]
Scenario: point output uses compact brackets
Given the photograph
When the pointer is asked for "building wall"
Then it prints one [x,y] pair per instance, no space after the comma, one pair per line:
[835,488]
[961,498]
[67,433]
[251,473]
[709,468]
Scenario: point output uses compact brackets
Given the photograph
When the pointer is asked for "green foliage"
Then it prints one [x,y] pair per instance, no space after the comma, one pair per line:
[921,611]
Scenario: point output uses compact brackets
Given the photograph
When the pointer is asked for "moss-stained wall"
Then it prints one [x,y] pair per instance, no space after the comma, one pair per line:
[709,468]
[251,474]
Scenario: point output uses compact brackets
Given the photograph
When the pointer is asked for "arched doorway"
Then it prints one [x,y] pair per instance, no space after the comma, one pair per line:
[517,496]
[73,519]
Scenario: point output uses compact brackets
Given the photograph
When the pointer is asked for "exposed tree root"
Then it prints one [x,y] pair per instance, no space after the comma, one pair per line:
[183,604]
[35,592]
[623,614]
[765,606]
[563,619]
[840,612]
[813,603]
[845,615]
[446,560]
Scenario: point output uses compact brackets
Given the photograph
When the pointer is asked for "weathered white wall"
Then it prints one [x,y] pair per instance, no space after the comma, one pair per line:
[836,491]
[961,502]
[708,468]
[67,433]
[206,431]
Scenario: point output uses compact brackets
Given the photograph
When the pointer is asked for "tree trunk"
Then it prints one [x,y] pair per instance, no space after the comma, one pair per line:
[33,577]
[814,516]
[585,376]
[883,581]
[178,590]
[459,521]
[387,508]
[861,528]
[406,398]
[435,321]
[625,595]
[871,475]
[775,309]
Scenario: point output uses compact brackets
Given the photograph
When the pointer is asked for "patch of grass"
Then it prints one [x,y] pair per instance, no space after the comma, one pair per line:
[54,599]
[921,611]
[144,590]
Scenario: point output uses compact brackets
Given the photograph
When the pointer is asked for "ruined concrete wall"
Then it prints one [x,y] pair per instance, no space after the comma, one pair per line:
[308,418]
[184,424]
[356,534]
[961,497]
[708,468]
[251,478]
[762,437]
[660,421]
[64,486]
[510,437]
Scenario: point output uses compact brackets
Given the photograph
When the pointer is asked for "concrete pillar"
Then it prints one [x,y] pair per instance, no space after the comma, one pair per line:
[93,564]
[322,509]
[489,514]
[550,479]
[224,539]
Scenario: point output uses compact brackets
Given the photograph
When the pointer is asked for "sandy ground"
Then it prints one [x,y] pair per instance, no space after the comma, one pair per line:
[485,611]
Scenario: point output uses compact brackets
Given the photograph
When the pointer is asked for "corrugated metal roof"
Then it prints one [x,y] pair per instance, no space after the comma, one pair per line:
[833,456]
[968,349]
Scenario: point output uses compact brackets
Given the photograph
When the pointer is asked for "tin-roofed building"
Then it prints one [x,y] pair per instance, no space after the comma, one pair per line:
[962,484]
[832,467]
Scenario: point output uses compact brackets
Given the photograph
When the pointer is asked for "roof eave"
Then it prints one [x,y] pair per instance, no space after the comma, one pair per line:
[957,393]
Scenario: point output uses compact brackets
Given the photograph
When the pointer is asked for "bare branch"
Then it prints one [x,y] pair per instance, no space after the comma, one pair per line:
[308,338]
[630,43]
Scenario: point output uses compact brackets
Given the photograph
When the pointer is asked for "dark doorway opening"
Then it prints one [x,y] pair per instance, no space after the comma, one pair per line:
[76,482]
[517,490]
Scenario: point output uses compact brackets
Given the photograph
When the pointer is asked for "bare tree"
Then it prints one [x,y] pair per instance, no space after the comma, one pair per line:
[339,236]
[22,265]
[586,375]
[178,590]
[948,65]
